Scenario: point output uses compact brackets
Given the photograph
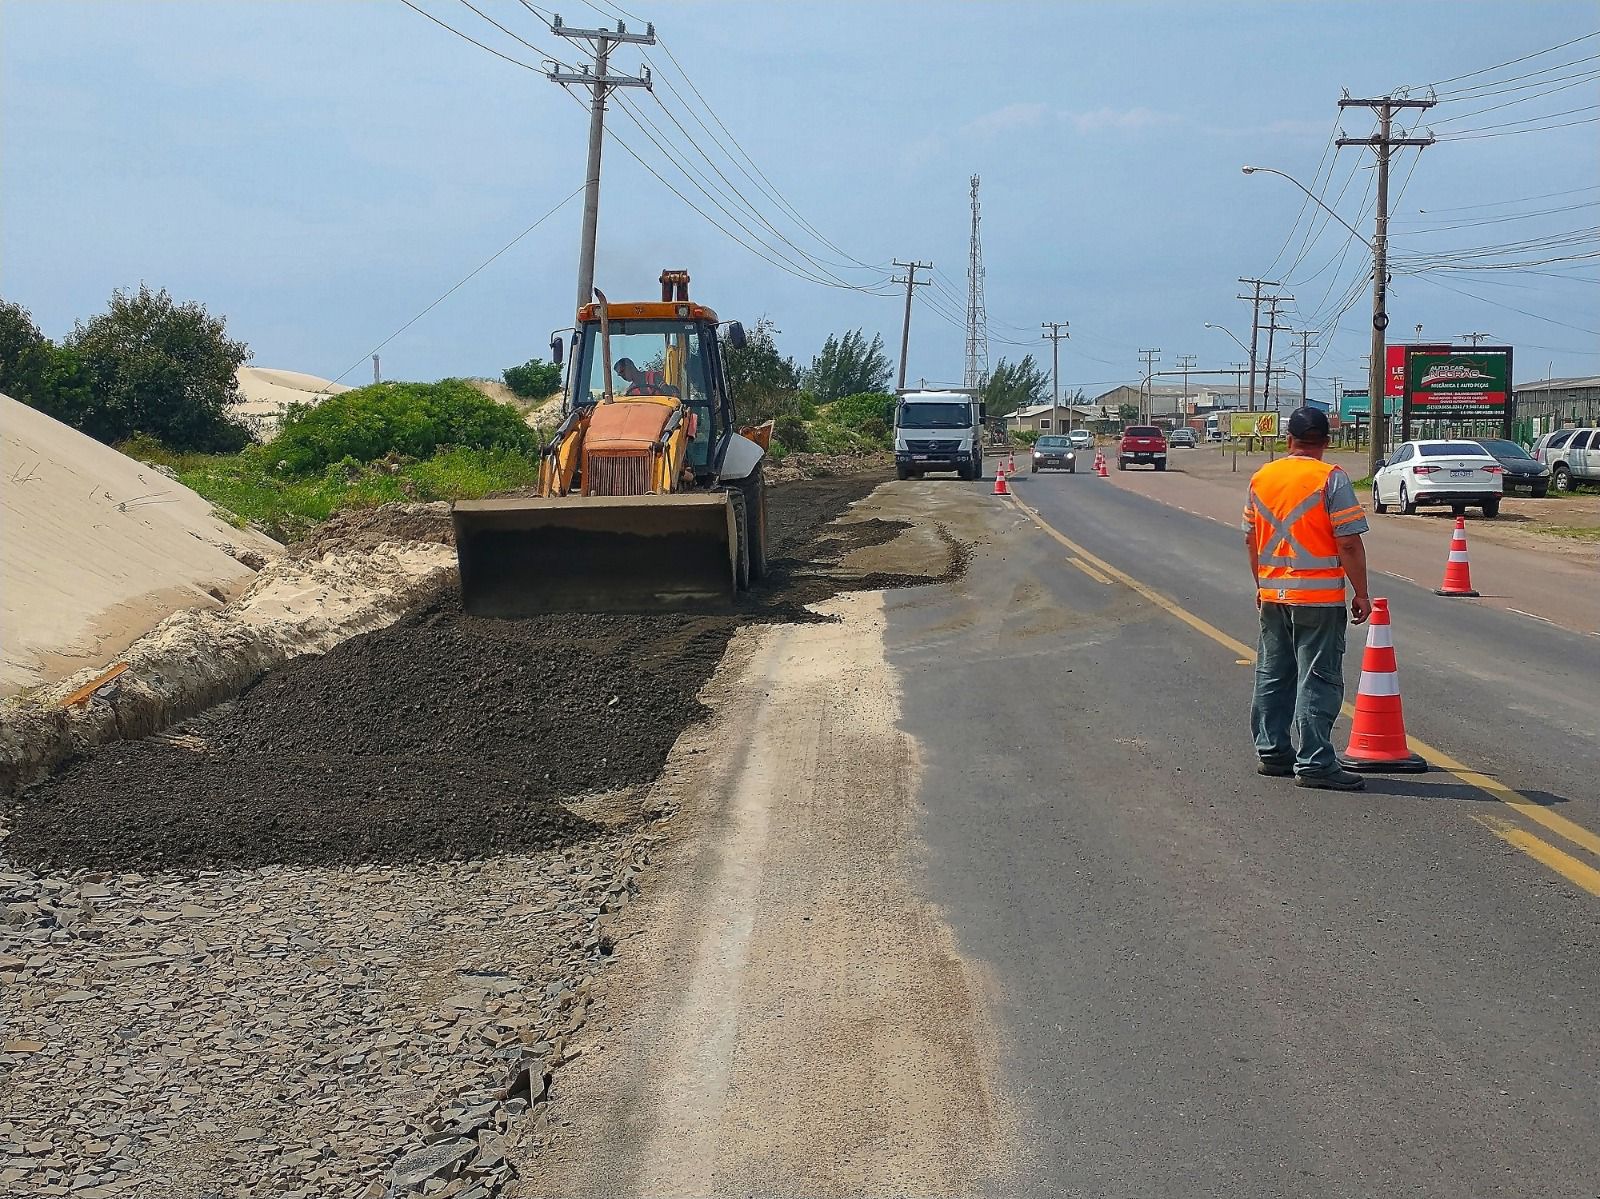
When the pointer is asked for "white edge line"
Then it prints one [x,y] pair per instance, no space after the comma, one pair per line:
[1536,616]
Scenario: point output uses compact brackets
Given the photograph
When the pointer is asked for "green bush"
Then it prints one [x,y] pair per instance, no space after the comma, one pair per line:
[854,411]
[791,433]
[413,420]
[535,379]
[1027,436]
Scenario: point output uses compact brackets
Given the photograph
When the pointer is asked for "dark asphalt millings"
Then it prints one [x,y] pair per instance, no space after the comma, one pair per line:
[443,737]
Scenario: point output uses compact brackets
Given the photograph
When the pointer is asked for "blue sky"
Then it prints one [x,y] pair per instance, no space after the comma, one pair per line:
[319,172]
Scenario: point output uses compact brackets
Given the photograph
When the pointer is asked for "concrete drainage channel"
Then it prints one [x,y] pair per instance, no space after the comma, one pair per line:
[335,936]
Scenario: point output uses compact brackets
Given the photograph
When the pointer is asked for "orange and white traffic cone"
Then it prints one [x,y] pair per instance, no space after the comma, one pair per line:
[1457,574]
[1100,464]
[1378,732]
[1000,487]
[1011,464]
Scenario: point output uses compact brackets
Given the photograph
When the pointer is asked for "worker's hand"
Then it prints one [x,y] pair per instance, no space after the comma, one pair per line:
[1360,609]
[1258,599]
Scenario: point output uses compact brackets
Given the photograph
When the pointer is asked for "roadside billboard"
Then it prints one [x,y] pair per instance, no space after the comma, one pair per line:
[1394,361]
[1457,387]
[1253,424]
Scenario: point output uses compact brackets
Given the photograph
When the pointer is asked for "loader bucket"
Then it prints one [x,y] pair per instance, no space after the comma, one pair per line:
[647,553]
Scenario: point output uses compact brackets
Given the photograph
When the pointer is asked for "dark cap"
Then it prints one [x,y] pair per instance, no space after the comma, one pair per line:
[1309,424]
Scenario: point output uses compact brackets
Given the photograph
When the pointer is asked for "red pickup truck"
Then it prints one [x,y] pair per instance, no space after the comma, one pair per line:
[1142,443]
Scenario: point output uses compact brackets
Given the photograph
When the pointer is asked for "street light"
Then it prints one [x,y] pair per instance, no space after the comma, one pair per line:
[1314,199]
[1236,341]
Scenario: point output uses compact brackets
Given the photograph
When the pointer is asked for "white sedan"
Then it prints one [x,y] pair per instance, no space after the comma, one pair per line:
[1457,473]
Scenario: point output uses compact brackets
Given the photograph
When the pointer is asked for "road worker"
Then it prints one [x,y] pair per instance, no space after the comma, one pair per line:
[1303,526]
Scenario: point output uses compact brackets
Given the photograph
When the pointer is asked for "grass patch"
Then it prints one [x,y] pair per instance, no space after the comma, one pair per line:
[1572,532]
[285,506]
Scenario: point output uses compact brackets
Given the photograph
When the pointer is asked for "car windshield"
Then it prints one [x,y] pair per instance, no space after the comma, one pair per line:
[1141,431]
[1453,449]
[1052,443]
[1504,449]
[922,414]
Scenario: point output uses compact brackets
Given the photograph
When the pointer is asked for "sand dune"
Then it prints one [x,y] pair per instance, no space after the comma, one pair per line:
[98,549]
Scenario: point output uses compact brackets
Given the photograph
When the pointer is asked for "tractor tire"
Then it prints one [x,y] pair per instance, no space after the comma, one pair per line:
[754,491]
[741,549]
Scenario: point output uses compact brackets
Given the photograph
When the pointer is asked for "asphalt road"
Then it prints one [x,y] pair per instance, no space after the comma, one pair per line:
[1210,983]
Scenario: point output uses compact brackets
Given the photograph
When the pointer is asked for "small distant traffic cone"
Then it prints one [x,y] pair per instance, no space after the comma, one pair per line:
[1000,487]
[1378,732]
[1100,464]
[1457,574]
[1011,464]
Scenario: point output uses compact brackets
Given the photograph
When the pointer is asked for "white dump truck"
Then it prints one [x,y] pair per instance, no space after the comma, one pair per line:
[938,430]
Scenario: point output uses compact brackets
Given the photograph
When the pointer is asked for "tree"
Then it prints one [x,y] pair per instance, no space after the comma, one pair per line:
[1128,413]
[24,353]
[762,381]
[1015,385]
[849,366]
[535,379]
[160,368]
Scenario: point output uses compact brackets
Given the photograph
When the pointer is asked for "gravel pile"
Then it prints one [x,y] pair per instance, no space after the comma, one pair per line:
[335,938]
[294,1032]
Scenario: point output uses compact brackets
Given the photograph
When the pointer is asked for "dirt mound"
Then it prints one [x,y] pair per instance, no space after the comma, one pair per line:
[364,529]
[440,737]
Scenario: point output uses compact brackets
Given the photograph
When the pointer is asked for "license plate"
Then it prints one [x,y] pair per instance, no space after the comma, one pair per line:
[920,457]
[1461,474]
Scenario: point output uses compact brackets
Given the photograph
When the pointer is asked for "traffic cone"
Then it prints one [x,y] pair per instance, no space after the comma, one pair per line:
[1100,464]
[1457,574]
[1011,465]
[1378,732]
[1000,487]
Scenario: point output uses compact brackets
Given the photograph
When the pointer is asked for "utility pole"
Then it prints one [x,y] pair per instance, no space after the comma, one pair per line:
[911,281]
[1255,324]
[600,85]
[1272,328]
[1054,336]
[1186,362]
[1148,400]
[1474,338]
[1305,336]
[1382,143]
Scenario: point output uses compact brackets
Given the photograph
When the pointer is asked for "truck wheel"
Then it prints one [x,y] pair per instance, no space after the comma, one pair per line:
[902,472]
[1161,466]
[1562,477]
[741,549]
[754,490]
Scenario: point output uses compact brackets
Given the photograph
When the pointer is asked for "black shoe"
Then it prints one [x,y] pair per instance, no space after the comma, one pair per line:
[1337,780]
[1276,770]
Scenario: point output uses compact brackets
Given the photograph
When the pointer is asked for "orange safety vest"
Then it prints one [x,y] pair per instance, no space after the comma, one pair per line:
[1293,534]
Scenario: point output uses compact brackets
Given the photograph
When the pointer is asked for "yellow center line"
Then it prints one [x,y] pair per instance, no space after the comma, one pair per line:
[1090,571]
[1561,862]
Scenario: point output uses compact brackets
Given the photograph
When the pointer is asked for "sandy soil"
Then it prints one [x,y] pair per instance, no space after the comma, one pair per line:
[268,393]
[798,1019]
[99,548]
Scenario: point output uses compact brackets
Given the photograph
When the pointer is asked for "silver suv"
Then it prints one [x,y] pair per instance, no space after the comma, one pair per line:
[1573,456]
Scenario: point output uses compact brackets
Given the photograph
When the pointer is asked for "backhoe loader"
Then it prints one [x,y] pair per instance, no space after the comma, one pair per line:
[650,497]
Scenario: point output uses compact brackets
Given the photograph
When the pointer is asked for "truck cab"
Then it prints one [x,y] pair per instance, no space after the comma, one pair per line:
[938,431]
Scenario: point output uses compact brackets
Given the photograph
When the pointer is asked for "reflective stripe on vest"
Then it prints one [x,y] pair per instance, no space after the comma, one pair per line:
[1296,547]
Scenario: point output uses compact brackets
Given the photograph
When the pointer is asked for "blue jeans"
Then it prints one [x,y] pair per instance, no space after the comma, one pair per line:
[1299,682]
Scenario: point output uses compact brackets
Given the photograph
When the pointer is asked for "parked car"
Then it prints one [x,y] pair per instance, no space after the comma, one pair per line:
[1081,439]
[1184,437]
[1142,443]
[1054,453]
[1573,456]
[1522,468]
[1457,473]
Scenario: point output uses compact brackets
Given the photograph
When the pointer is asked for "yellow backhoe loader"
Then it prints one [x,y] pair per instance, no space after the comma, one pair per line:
[650,496]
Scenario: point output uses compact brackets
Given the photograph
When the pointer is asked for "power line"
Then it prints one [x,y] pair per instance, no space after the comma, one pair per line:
[516,62]
[465,279]
[1573,191]
[1514,61]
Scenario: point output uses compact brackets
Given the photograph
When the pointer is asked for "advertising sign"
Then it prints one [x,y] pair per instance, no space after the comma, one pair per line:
[1253,424]
[1458,385]
[1355,404]
[1394,358]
